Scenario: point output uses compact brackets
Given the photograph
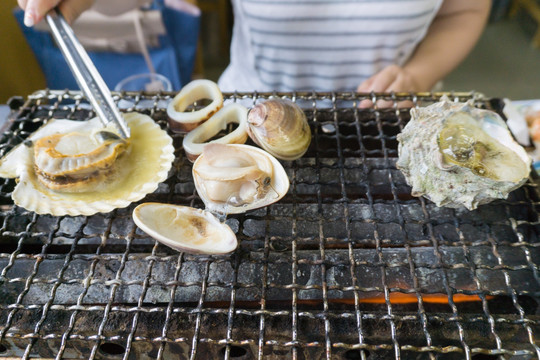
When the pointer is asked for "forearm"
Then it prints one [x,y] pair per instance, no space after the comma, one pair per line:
[450,38]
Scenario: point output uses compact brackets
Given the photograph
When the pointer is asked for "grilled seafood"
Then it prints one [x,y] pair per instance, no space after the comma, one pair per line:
[80,168]
[458,155]
[235,178]
[184,121]
[195,140]
[185,229]
[280,127]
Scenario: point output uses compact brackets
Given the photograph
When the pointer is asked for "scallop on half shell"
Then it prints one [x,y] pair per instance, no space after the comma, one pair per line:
[280,127]
[460,156]
[234,178]
[185,228]
[76,168]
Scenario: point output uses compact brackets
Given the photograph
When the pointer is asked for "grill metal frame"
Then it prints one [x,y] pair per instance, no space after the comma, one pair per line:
[301,284]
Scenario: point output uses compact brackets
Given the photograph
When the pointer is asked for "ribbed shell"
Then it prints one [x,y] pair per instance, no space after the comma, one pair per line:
[280,127]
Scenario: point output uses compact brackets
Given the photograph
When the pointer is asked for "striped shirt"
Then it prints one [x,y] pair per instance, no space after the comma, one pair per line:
[321,45]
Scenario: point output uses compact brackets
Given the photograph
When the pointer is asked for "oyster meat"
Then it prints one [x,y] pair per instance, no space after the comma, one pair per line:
[184,228]
[280,127]
[234,178]
[80,168]
[458,155]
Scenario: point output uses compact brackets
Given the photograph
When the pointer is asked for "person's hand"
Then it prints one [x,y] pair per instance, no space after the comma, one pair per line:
[391,78]
[35,10]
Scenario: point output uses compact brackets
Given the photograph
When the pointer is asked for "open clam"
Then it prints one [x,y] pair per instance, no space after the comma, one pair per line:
[280,127]
[182,120]
[196,139]
[80,168]
[184,228]
[460,156]
[236,178]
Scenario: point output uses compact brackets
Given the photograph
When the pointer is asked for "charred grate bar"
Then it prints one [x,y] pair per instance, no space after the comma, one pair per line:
[346,266]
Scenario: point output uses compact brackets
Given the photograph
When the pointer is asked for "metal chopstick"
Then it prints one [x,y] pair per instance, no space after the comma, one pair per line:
[86,74]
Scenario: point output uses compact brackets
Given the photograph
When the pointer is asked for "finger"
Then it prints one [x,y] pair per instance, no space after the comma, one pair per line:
[22,4]
[74,8]
[366,85]
[399,85]
[384,78]
[36,9]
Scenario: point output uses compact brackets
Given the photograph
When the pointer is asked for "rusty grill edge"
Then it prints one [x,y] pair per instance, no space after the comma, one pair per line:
[303,281]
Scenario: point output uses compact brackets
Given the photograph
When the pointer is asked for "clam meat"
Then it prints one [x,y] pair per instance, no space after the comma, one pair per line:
[184,228]
[460,156]
[75,168]
[183,120]
[196,139]
[234,178]
[280,127]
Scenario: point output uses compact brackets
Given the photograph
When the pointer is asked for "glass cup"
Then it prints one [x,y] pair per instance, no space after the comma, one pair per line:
[144,82]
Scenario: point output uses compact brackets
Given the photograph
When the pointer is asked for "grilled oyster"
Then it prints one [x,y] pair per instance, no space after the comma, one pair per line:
[233,178]
[79,168]
[185,229]
[280,127]
[457,155]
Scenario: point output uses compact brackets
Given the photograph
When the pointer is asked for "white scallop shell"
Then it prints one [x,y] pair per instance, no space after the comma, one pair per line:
[278,180]
[184,228]
[195,140]
[136,174]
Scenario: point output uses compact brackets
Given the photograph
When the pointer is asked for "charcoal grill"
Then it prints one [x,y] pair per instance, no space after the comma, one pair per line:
[346,266]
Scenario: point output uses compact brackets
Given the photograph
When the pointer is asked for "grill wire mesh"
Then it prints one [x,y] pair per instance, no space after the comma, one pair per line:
[346,266]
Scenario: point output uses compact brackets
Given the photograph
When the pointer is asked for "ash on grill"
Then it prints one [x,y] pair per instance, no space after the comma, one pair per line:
[346,266]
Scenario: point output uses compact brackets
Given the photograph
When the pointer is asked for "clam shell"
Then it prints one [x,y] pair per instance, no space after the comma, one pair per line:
[280,127]
[183,121]
[224,171]
[185,229]
[195,140]
[136,174]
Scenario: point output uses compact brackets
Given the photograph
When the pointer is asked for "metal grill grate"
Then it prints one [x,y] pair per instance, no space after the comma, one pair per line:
[346,266]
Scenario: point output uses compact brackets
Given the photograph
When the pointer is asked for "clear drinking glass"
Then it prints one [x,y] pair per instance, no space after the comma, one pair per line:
[144,82]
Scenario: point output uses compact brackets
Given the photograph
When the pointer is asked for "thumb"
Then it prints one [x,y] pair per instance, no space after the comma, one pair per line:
[35,10]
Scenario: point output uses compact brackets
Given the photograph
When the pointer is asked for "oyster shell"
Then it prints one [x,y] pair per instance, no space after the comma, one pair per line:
[184,228]
[457,155]
[280,127]
[235,178]
[194,141]
[181,120]
[60,176]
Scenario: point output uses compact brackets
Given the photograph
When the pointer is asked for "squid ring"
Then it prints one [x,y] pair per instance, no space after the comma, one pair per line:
[184,121]
[195,141]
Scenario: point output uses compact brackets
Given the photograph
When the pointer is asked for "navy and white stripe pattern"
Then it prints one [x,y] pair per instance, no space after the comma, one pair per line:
[324,45]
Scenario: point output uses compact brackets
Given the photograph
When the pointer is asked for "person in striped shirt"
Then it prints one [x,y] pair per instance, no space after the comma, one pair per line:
[336,45]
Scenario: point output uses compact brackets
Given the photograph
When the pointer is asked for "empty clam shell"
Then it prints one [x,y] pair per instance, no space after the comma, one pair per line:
[195,140]
[280,127]
[181,120]
[184,228]
[234,178]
